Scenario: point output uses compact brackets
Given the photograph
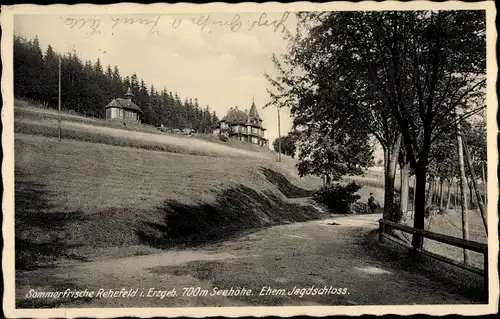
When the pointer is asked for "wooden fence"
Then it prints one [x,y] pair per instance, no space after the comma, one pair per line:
[453,241]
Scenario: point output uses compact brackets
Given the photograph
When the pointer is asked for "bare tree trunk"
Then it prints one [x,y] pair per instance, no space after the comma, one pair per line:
[433,191]
[473,185]
[404,190]
[436,191]
[427,196]
[450,185]
[463,198]
[390,179]
[469,187]
[419,220]
[485,189]
[429,223]
[414,195]
[456,191]
[441,182]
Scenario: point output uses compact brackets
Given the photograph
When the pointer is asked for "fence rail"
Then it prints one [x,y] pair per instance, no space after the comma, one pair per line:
[453,241]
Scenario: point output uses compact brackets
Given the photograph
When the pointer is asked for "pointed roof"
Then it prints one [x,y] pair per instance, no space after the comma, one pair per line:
[253,114]
[129,94]
[125,103]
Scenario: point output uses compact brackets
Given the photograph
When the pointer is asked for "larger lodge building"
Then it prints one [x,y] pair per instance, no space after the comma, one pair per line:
[244,126]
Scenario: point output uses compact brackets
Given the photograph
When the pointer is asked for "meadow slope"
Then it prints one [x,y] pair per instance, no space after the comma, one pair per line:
[87,200]
[106,191]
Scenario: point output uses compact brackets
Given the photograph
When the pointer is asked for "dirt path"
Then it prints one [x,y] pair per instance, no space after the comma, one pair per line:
[301,255]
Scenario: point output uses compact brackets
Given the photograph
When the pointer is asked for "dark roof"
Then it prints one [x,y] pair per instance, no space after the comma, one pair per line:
[238,117]
[253,114]
[234,115]
[124,104]
[129,94]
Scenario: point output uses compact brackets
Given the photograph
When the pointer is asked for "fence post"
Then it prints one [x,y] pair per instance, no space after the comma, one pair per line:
[381,231]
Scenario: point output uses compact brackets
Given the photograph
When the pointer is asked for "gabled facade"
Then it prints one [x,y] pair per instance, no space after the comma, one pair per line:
[124,109]
[244,126]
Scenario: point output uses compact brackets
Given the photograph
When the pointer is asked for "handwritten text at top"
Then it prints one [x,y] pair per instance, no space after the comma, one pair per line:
[153,26]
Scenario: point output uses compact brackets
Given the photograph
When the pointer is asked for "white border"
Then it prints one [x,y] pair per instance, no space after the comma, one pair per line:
[6,19]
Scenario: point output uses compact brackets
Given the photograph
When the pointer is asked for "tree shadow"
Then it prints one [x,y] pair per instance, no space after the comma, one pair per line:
[287,188]
[449,277]
[234,211]
[39,229]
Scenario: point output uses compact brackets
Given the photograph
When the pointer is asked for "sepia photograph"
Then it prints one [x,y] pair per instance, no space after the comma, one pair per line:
[249,159]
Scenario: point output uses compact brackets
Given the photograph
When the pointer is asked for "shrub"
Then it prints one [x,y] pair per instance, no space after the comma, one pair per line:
[338,197]
[223,138]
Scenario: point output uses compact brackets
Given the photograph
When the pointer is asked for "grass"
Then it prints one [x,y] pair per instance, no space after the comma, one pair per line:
[81,200]
[108,190]
[24,110]
[450,224]
[43,121]
[118,137]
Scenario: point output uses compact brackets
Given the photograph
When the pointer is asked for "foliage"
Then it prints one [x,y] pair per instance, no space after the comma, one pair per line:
[324,156]
[287,145]
[88,87]
[422,71]
[338,197]
[443,156]
[475,137]
[331,141]
[443,161]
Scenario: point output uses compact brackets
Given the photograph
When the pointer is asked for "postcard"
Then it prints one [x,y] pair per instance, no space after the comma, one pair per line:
[271,159]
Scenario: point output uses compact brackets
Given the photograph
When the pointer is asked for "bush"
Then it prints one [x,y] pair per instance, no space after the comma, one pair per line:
[223,138]
[338,197]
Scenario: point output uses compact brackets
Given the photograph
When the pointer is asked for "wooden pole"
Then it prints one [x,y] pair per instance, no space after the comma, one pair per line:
[455,192]
[450,185]
[404,175]
[59,108]
[414,194]
[463,197]
[436,191]
[427,196]
[485,189]
[473,184]
[279,136]
[469,186]
[441,193]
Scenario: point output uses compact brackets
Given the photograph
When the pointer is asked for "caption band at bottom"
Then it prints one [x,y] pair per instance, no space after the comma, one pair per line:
[187,292]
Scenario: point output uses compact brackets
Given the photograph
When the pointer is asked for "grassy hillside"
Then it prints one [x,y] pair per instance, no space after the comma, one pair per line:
[89,200]
[36,120]
[105,191]
[450,224]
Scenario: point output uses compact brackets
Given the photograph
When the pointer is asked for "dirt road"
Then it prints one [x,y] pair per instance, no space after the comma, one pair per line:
[281,265]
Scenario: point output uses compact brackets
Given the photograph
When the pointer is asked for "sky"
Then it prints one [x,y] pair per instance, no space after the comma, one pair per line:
[219,58]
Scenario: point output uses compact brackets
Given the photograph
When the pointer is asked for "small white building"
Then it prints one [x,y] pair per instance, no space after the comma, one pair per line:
[124,109]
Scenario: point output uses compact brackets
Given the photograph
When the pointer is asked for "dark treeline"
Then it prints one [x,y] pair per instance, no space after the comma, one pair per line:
[87,87]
